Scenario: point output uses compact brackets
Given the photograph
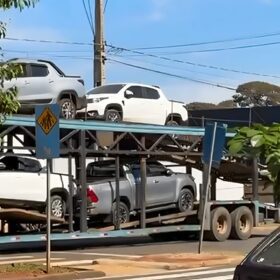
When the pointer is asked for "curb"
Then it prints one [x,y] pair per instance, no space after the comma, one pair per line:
[67,276]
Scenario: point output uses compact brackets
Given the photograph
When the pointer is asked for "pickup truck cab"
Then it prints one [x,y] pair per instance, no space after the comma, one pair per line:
[131,102]
[164,190]
[42,82]
[24,185]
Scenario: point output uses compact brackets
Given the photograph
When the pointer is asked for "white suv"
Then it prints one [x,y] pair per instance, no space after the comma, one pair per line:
[42,82]
[23,185]
[133,102]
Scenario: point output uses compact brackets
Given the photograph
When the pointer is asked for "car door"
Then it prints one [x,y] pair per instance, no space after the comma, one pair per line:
[144,106]
[134,106]
[155,106]
[161,188]
[38,84]
[20,182]
[21,83]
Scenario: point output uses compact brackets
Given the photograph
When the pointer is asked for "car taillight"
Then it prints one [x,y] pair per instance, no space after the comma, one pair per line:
[81,81]
[92,195]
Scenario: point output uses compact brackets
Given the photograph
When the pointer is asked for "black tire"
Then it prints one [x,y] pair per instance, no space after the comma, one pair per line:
[242,223]
[67,108]
[113,115]
[185,200]
[58,206]
[124,213]
[172,123]
[220,225]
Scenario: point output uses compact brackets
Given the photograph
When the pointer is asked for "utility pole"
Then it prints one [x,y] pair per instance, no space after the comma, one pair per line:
[99,53]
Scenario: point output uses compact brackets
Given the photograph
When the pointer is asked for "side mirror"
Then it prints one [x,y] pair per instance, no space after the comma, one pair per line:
[128,94]
[168,172]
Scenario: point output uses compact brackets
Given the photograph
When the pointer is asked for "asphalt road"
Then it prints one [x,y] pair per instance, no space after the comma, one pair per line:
[144,246]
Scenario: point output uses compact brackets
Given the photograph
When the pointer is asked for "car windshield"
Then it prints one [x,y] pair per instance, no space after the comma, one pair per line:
[109,89]
[270,255]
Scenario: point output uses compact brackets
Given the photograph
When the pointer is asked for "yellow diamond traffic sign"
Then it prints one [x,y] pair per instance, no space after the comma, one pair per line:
[47,120]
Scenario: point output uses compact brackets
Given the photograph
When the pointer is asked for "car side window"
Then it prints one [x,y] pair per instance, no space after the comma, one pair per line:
[103,170]
[13,163]
[270,255]
[155,169]
[137,91]
[23,74]
[150,93]
[38,70]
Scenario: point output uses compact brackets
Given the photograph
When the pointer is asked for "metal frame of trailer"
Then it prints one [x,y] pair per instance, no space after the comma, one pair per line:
[82,139]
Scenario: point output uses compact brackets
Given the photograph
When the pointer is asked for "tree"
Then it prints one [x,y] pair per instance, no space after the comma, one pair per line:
[257,94]
[8,98]
[200,106]
[262,142]
[227,104]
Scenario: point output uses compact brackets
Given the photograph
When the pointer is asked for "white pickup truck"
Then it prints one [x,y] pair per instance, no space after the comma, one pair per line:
[131,102]
[23,185]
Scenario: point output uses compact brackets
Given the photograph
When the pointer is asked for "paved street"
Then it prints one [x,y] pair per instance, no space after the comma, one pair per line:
[129,259]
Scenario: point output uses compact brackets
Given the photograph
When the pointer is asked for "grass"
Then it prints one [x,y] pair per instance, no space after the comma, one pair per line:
[32,268]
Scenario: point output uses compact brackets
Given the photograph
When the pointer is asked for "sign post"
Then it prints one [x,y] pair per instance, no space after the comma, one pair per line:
[47,147]
[213,144]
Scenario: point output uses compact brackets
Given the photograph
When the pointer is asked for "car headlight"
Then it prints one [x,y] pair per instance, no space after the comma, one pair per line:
[96,100]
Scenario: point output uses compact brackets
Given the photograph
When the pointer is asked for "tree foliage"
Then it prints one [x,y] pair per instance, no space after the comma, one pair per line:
[262,142]
[257,94]
[227,104]
[200,106]
[8,98]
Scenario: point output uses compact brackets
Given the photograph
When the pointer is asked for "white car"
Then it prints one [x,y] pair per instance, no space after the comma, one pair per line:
[132,102]
[23,185]
[42,82]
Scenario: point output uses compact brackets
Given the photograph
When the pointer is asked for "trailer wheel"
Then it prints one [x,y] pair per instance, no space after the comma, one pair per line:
[242,223]
[220,225]
[124,213]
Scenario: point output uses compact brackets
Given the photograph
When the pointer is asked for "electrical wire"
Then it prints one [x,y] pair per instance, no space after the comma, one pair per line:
[90,13]
[171,75]
[105,6]
[192,63]
[121,49]
[212,42]
[89,17]
[225,48]
[167,66]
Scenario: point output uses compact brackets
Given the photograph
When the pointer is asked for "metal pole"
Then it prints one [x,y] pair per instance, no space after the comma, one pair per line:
[98,44]
[143,170]
[117,221]
[82,166]
[206,188]
[70,177]
[48,256]
[255,183]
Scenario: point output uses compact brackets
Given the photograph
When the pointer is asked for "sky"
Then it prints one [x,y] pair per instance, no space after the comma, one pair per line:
[249,30]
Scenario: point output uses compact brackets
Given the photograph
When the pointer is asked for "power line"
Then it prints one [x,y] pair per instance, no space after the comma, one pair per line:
[212,42]
[167,66]
[105,6]
[225,48]
[88,15]
[48,41]
[193,63]
[121,49]
[171,75]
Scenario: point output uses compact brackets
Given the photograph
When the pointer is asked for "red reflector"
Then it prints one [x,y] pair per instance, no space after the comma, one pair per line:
[92,196]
